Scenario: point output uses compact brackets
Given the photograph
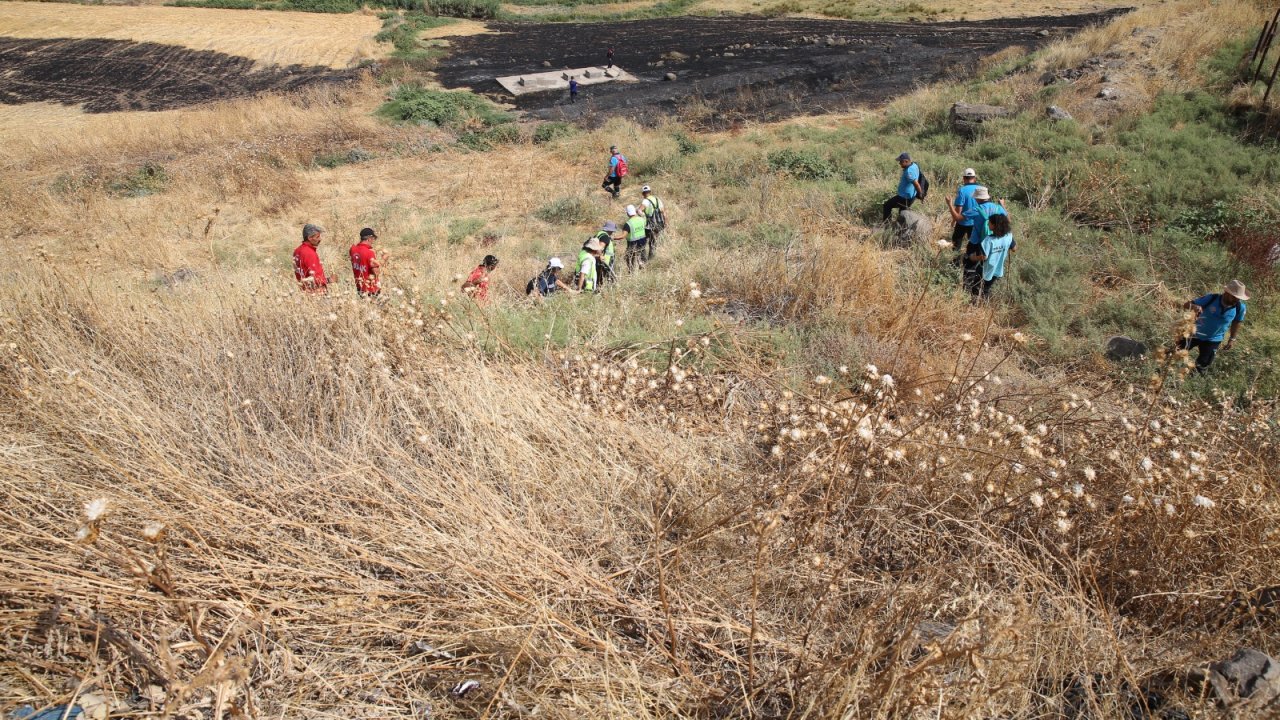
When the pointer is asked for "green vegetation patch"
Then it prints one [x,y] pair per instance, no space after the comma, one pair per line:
[453,109]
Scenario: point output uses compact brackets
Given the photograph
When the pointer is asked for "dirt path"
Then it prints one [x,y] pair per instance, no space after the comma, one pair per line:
[743,68]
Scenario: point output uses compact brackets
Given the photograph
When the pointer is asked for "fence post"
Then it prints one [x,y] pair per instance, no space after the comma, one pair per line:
[1266,48]
[1271,82]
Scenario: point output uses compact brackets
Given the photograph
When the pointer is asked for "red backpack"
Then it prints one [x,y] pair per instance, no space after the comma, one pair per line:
[622,166]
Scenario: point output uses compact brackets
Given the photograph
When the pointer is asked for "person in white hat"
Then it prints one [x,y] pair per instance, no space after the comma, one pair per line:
[548,281]
[655,221]
[587,266]
[636,239]
[1218,316]
[964,202]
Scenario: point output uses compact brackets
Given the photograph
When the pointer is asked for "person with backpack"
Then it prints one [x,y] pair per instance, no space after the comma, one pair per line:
[617,171]
[981,215]
[992,254]
[548,281]
[636,237]
[912,186]
[655,217]
[587,274]
[1218,316]
[605,265]
[963,203]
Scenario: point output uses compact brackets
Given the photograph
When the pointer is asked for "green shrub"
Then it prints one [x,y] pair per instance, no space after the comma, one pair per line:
[321,6]
[220,4]
[444,108]
[574,210]
[462,228]
[802,164]
[347,157]
[475,9]
[148,179]
[550,131]
[685,144]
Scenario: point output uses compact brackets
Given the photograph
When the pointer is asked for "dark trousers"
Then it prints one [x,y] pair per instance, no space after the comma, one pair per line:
[613,184]
[897,201]
[960,235]
[573,96]
[1208,350]
[635,254]
[651,243]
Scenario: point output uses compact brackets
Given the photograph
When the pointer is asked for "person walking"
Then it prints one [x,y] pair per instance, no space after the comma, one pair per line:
[635,239]
[1218,316]
[548,281]
[992,254]
[655,221]
[365,265]
[307,268]
[617,171]
[608,56]
[963,203]
[587,266]
[909,187]
[981,215]
[477,284]
[573,89]
[604,266]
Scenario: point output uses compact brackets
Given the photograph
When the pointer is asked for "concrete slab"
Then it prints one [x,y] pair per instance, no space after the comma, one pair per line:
[559,79]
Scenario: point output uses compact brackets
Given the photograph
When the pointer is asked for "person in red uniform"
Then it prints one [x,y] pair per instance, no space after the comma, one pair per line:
[365,265]
[306,261]
[477,284]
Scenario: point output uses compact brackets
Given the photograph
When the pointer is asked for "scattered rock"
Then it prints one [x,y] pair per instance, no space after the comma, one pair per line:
[669,76]
[1121,347]
[1043,33]
[1056,113]
[474,63]
[177,277]
[1248,676]
[546,63]
[729,54]
[913,227]
[1108,93]
[966,118]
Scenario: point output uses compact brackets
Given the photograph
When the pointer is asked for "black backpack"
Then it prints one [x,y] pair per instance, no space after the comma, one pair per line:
[924,184]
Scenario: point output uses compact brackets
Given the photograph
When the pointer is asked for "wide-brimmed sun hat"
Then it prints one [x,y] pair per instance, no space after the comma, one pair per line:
[555,263]
[982,194]
[610,226]
[595,245]
[1237,290]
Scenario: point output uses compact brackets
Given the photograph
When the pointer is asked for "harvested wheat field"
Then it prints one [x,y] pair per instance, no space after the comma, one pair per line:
[789,468]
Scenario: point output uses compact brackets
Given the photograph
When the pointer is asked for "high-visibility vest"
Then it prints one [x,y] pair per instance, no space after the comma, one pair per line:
[607,240]
[635,228]
[583,257]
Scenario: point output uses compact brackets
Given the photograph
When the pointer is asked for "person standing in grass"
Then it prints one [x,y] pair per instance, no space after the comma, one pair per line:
[477,284]
[306,261]
[655,219]
[908,187]
[963,204]
[573,89]
[980,215]
[617,171]
[587,265]
[365,265]
[604,267]
[992,254]
[636,236]
[1218,316]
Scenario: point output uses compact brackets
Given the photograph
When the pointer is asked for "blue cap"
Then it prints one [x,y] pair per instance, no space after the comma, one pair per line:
[610,226]
[904,156]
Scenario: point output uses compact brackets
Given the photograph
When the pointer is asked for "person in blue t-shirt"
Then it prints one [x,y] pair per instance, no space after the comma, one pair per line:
[613,178]
[573,89]
[963,203]
[985,208]
[1218,316]
[908,187]
[992,254]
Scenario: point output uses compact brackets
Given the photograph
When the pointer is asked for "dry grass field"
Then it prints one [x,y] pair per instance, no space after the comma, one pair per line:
[271,38]
[810,484]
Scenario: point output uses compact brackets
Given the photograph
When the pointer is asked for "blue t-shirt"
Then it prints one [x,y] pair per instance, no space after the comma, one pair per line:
[964,200]
[613,164]
[978,216]
[1215,317]
[907,184]
[997,250]
[573,86]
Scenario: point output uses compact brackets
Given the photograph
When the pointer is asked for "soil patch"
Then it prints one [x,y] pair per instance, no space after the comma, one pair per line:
[116,75]
[741,68]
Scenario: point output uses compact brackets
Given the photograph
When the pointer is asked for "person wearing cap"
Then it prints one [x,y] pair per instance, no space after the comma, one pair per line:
[573,89]
[636,239]
[908,187]
[548,281]
[477,284]
[1218,316]
[306,261]
[991,255]
[963,203]
[365,265]
[587,265]
[613,178]
[980,216]
[604,267]
[655,221]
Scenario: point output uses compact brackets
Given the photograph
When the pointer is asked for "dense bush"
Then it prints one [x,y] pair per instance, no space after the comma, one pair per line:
[550,131]
[802,164]
[444,108]
[477,9]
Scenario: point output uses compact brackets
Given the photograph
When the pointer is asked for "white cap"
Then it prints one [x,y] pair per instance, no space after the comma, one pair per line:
[631,210]
[555,263]
[970,172]
[645,189]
